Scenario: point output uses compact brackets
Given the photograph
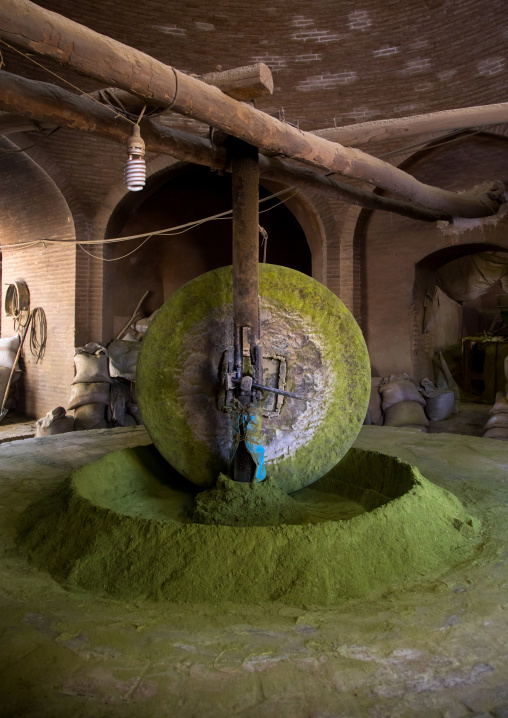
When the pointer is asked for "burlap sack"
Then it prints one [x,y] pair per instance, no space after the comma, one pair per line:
[55,422]
[89,417]
[120,395]
[498,421]
[8,348]
[89,393]
[501,405]
[439,402]
[404,413]
[123,357]
[496,433]
[375,411]
[396,389]
[134,411]
[91,368]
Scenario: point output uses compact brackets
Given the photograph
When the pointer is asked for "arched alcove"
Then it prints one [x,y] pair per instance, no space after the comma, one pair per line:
[451,304]
[34,208]
[174,197]
[391,247]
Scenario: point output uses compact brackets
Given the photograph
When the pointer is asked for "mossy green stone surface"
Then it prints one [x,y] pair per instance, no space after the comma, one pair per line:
[301,321]
[124,526]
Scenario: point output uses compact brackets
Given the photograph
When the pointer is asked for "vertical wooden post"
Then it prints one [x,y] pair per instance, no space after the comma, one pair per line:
[245,170]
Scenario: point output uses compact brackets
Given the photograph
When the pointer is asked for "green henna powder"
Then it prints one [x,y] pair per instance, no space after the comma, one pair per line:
[125,525]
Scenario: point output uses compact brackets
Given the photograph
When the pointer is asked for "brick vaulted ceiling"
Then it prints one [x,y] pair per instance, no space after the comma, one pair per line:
[339,61]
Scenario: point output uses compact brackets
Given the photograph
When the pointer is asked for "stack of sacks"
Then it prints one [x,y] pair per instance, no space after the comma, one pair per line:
[497,426]
[120,405]
[374,412]
[123,358]
[8,349]
[90,388]
[55,422]
[402,403]
[132,405]
[439,402]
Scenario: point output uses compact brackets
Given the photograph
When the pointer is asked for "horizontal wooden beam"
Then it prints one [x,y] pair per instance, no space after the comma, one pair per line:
[38,30]
[54,106]
[402,127]
[242,83]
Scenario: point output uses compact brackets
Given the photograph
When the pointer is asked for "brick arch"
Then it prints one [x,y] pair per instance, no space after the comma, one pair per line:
[54,171]
[87,324]
[355,218]
[119,192]
[303,208]
[35,208]
[391,246]
[315,214]
[423,345]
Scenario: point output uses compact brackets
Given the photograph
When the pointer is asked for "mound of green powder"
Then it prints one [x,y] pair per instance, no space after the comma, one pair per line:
[231,503]
[123,526]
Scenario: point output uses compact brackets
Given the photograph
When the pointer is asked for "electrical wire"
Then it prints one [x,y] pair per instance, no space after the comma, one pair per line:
[24,149]
[168,232]
[75,87]
[115,259]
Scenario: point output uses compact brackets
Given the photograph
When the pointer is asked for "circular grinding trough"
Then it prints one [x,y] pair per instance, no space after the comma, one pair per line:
[312,346]
[124,525]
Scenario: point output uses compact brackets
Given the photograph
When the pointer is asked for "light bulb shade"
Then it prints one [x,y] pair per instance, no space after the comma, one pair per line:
[135,174]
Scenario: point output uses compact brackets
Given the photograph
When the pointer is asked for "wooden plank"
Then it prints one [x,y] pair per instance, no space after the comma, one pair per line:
[112,63]
[242,83]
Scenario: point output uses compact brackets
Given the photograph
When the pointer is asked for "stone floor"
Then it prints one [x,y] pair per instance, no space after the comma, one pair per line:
[437,648]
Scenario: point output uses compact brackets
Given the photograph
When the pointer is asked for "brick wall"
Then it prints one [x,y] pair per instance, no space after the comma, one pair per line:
[392,246]
[33,208]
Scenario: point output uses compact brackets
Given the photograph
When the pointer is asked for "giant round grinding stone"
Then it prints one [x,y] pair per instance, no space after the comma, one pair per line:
[312,347]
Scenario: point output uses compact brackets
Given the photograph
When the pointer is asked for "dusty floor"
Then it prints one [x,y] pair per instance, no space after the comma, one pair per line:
[470,420]
[16,426]
[438,648]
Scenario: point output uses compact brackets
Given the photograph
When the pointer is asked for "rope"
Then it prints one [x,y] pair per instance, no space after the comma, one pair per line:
[264,241]
[170,107]
[38,334]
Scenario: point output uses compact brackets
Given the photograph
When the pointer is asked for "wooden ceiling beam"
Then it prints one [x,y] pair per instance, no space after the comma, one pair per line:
[54,107]
[35,29]
[402,127]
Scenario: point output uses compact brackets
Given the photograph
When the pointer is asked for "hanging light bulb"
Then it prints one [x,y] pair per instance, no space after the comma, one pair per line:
[135,168]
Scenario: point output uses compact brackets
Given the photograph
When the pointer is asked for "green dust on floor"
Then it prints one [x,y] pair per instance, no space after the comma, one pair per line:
[126,526]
